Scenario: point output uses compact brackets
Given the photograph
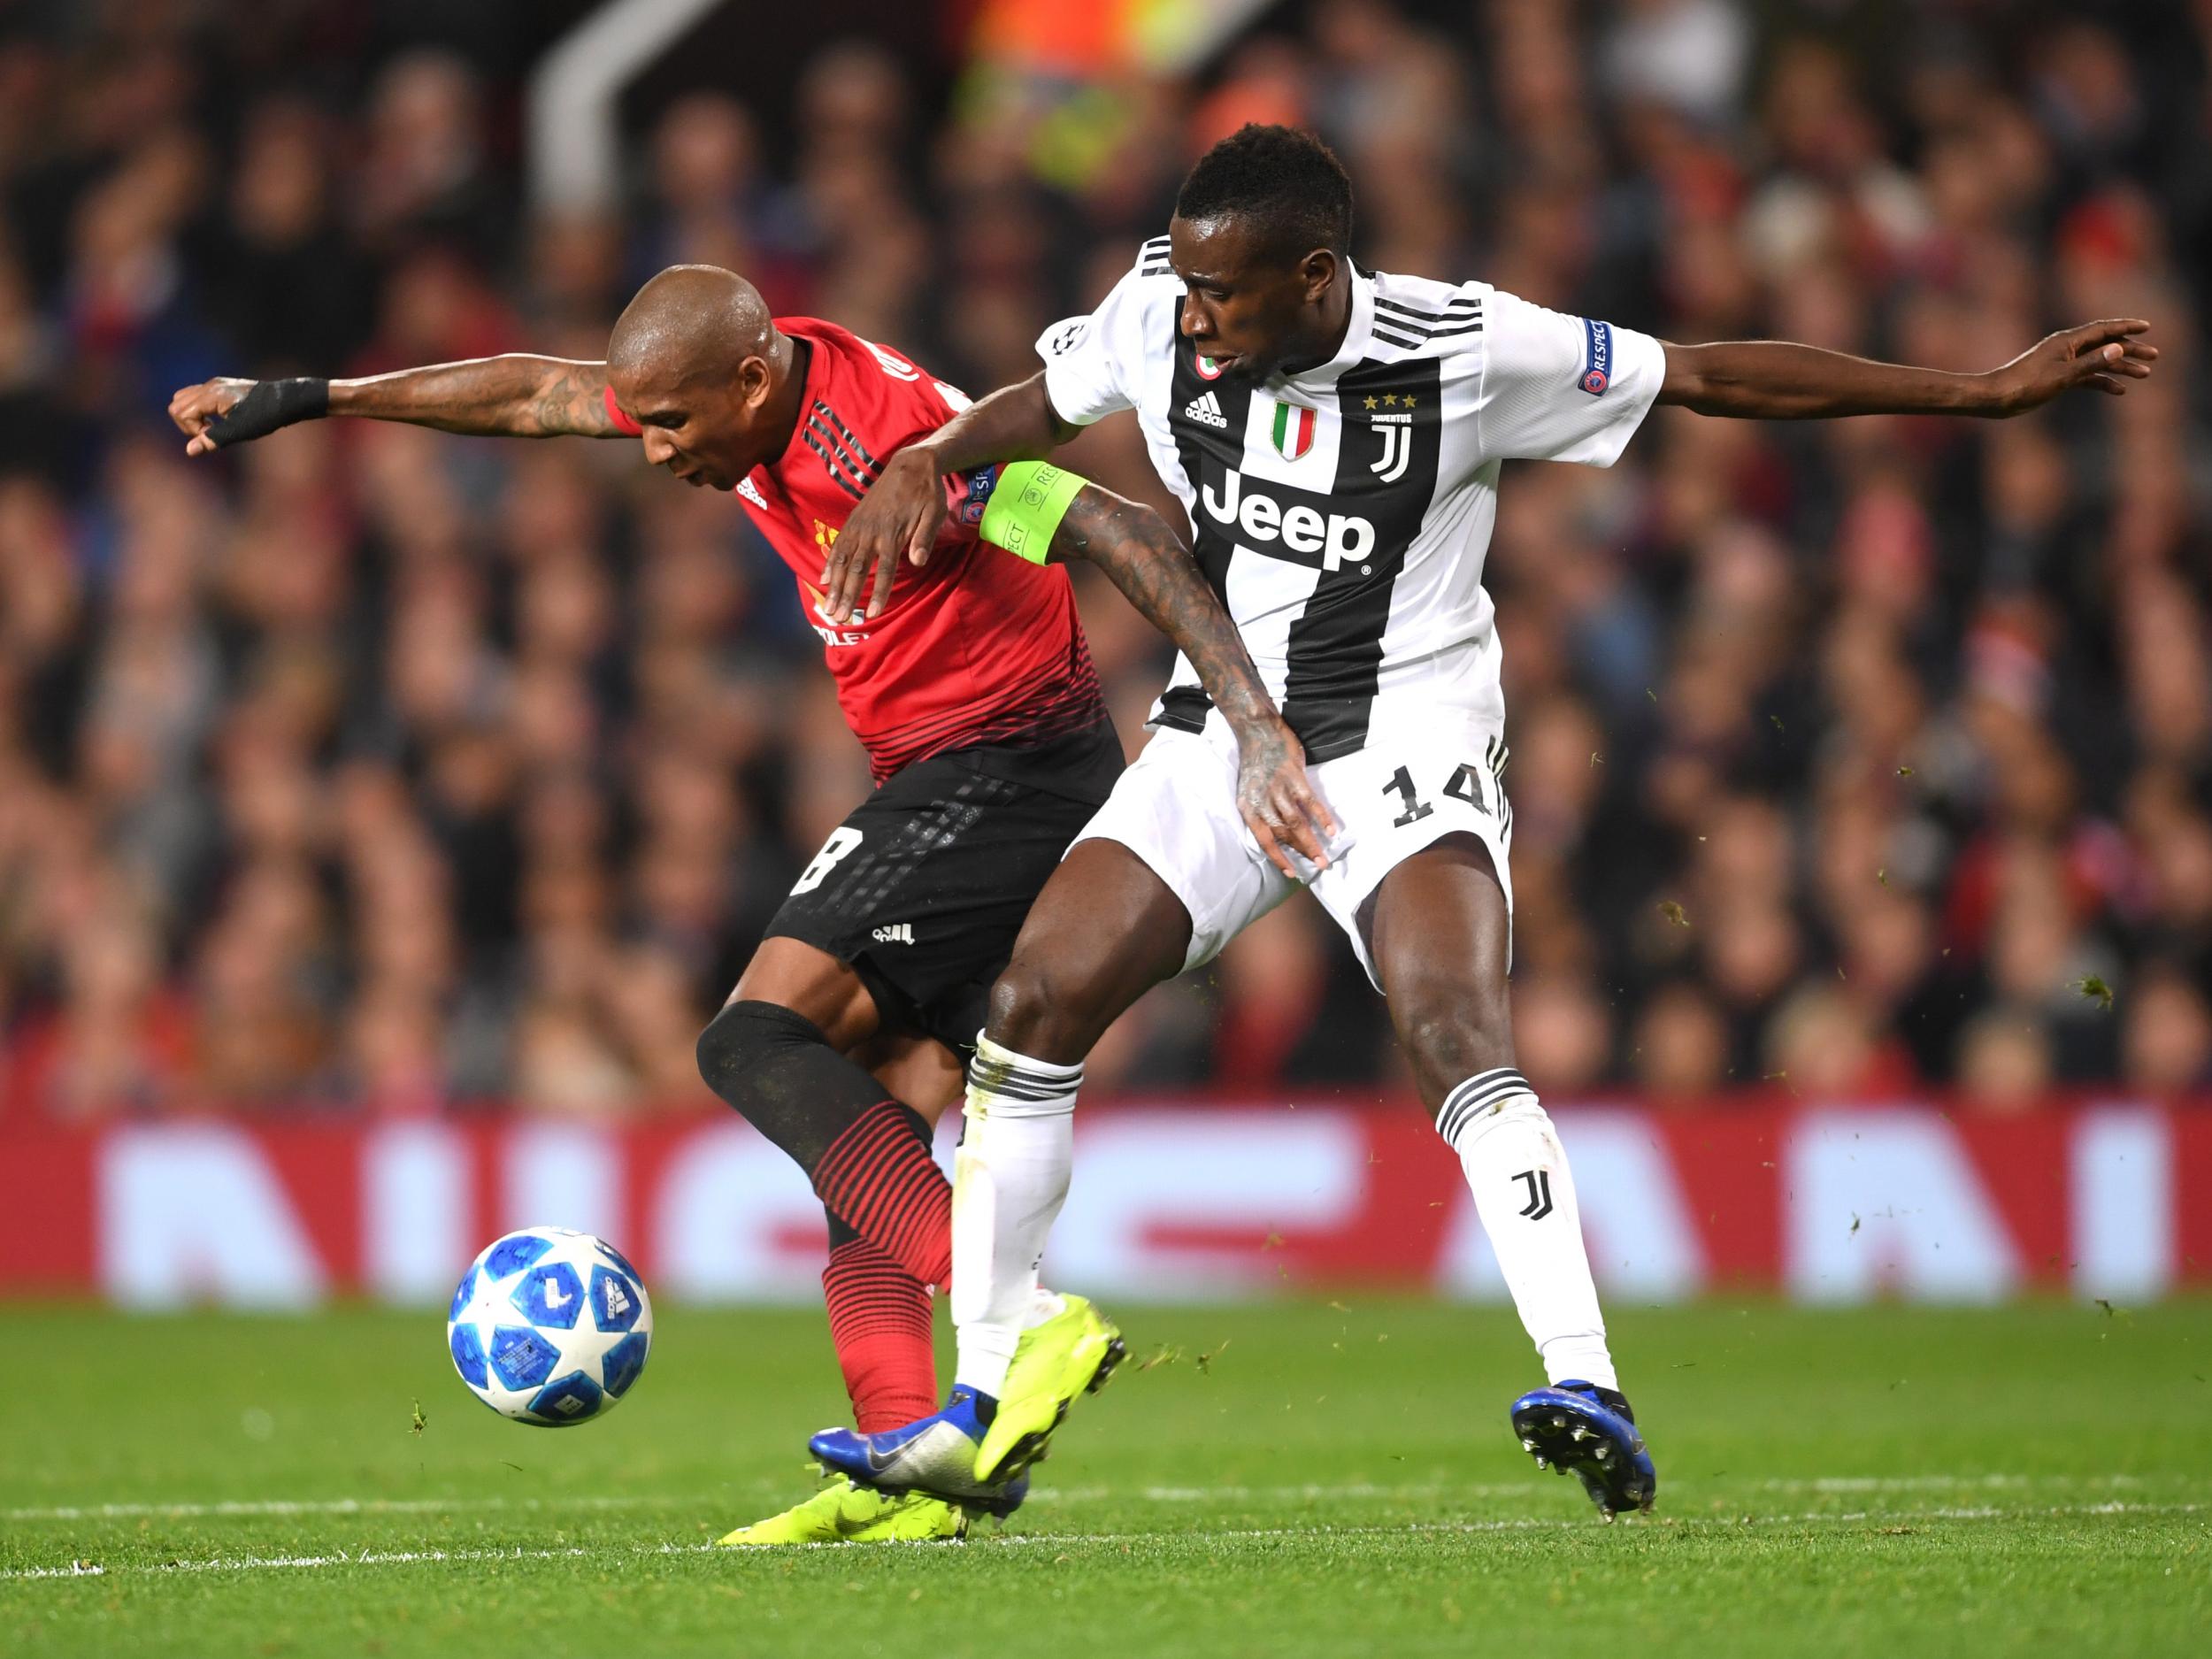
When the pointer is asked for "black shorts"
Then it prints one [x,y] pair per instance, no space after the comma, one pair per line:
[924,888]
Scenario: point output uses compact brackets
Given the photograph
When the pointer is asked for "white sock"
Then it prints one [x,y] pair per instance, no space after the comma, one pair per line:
[1008,1178]
[1526,1200]
[1045,1307]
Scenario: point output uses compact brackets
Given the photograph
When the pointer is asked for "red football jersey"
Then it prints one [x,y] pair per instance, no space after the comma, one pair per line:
[975,647]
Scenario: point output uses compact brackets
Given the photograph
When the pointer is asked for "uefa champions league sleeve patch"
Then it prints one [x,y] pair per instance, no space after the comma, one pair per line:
[969,494]
[1597,356]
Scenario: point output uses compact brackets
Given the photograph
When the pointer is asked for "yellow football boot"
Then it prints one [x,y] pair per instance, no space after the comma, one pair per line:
[1072,1353]
[845,1513]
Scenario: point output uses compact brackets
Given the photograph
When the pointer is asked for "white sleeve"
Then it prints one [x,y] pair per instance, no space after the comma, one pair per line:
[1093,363]
[1556,388]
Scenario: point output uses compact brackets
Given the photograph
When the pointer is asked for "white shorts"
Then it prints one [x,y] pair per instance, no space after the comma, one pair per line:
[1176,809]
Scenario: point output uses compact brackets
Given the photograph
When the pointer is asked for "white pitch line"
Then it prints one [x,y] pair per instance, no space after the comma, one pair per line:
[413,1557]
[248,1509]
[359,1558]
[326,1506]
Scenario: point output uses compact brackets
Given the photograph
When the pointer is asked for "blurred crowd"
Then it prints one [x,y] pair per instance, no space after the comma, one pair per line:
[371,769]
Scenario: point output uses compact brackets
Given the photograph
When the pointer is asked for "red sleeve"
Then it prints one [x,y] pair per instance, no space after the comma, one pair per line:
[622,422]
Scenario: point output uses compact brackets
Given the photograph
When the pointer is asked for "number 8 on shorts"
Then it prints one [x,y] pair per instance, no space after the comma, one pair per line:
[839,847]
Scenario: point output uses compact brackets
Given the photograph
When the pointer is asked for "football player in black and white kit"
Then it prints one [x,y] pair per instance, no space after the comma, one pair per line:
[1336,435]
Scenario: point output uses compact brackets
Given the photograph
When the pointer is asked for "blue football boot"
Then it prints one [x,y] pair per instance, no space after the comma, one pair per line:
[1579,1425]
[935,1454]
[1001,1503]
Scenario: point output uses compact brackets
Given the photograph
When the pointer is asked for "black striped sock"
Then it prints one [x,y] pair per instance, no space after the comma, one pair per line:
[1000,1074]
[879,1179]
[1481,1093]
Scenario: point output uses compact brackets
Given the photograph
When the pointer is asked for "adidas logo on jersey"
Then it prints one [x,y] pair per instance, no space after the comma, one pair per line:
[1205,408]
[896,933]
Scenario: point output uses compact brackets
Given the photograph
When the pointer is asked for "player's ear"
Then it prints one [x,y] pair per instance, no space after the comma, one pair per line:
[756,380]
[1317,271]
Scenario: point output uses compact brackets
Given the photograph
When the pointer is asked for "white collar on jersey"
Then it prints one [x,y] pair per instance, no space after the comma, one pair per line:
[1356,332]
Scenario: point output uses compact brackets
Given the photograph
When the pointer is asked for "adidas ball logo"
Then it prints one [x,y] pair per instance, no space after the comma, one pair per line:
[1205,408]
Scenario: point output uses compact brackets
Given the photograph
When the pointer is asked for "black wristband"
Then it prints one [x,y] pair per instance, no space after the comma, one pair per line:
[269,404]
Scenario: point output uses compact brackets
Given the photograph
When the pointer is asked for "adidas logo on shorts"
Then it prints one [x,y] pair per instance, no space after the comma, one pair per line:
[896,933]
[1205,408]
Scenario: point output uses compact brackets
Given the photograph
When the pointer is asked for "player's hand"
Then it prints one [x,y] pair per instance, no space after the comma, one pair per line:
[1276,800]
[217,413]
[196,407]
[899,517]
[2104,356]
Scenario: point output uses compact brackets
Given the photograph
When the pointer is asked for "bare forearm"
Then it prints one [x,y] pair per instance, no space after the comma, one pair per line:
[1777,380]
[1774,379]
[1015,422]
[1148,563]
[515,396]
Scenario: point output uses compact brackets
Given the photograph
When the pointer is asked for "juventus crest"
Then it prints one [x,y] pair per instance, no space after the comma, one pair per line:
[1393,425]
[1396,432]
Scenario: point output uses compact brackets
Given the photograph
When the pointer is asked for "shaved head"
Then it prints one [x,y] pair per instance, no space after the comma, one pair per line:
[697,362]
[690,322]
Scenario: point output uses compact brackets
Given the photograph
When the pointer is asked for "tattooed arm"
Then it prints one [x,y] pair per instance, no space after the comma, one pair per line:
[1148,561]
[514,396]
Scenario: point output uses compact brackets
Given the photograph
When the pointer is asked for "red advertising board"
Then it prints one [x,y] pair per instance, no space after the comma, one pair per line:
[1193,1201]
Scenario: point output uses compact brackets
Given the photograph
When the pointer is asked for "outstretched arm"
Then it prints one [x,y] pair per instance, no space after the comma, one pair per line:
[1773,379]
[1148,563]
[514,396]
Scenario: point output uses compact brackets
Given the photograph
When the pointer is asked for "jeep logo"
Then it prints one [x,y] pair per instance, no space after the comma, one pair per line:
[1338,538]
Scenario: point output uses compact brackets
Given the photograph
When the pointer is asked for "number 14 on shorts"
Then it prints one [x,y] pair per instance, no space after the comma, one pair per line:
[1464,782]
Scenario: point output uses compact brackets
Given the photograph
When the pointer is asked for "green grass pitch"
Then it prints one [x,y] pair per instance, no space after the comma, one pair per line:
[1325,1480]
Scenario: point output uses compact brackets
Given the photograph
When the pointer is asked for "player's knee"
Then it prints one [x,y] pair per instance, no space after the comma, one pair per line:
[1042,1010]
[1021,1006]
[736,1050]
[721,1045]
[1452,1029]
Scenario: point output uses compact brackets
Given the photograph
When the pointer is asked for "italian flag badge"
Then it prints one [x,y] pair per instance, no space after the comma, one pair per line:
[1294,430]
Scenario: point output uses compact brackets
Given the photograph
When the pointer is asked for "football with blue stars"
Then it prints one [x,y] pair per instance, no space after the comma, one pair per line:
[550,1326]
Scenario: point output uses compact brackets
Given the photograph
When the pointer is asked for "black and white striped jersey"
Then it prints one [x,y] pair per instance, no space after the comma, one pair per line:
[1343,513]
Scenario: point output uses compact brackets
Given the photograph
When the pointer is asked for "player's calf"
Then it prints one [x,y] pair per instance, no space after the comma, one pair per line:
[1524,1192]
[868,1157]
[880,1322]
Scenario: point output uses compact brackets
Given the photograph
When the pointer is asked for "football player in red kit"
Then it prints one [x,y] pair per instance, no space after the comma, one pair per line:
[972,687]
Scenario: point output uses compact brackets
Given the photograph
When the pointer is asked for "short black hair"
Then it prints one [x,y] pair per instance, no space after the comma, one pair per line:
[1288,180]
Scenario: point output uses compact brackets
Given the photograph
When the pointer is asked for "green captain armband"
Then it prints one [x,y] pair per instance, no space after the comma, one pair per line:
[1026,510]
